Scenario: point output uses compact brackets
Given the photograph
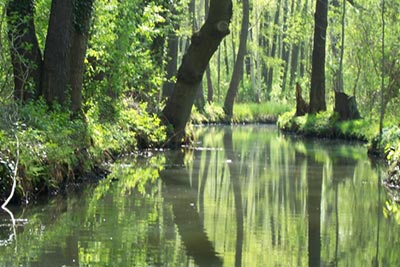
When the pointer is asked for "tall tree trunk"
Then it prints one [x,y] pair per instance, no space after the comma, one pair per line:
[203,45]
[265,47]
[210,91]
[336,51]
[57,63]
[317,92]
[285,45]
[273,48]
[238,68]
[303,44]
[294,61]
[26,56]
[172,54]
[79,40]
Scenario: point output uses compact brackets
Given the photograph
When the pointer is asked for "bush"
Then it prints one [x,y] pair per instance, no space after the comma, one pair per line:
[54,149]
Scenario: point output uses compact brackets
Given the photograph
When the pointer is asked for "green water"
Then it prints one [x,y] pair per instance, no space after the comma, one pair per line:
[243,196]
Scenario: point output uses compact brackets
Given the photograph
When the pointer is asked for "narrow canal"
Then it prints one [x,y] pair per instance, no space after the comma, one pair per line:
[242,196]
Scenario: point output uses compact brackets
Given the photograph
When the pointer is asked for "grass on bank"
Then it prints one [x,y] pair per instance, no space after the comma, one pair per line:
[53,150]
[327,125]
[266,112]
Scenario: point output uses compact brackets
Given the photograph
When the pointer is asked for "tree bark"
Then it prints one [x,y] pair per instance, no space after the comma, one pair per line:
[346,106]
[317,92]
[210,90]
[203,45]
[336,51]
[57,62]
[238,68]
[79,40]
[172,55]
[301,105]
[273,48]
[26,56]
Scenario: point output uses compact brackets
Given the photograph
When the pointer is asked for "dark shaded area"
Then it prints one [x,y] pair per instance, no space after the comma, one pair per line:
[346,106]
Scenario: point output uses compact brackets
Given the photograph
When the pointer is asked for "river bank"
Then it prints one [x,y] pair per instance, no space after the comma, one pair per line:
[327,125]
[43,150]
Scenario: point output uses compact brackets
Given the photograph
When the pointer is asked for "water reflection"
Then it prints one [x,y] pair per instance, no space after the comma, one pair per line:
[232,158]
[183,197]
[245,196]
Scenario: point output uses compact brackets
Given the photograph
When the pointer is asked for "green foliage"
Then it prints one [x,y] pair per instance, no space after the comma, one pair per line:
[242,113]
[254,112]
[392,210]
[326,124]
[132,129]
[212,113]
[53,149]
[387,142]
[119,55]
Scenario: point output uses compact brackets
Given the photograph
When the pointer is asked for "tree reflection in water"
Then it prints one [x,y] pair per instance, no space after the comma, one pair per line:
[183,198]
[233,161]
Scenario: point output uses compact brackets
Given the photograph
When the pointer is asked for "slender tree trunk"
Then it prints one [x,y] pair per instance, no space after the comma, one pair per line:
[226,58]
[265,47]
[172,55]
[210,91]
[294,62]
[238,68]
[274,47]
[79,41]
[303,44]
[317,92]
[26,56]
[285,46]
[203,45]
[336,51]
[172,64]
[382,93]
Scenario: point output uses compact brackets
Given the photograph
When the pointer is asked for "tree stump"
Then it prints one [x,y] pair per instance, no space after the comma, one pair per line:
[302,107]
[346,106]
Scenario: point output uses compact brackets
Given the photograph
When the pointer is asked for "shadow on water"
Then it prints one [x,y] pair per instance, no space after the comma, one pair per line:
[183,198]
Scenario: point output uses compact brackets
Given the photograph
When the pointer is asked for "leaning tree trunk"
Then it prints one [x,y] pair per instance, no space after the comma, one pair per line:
[238,68]
[26,56]
[203,45]
[317,92]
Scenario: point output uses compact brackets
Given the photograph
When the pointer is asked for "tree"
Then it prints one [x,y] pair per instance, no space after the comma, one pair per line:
[172,52]
[194,63]
[237,74]
[26,56]
[317,92]
[59,76]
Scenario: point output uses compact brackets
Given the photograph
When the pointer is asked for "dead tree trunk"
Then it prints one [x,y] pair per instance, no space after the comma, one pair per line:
[302,107]
[346,106]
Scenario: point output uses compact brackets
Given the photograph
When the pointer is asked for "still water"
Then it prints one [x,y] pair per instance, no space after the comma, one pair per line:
[243,196]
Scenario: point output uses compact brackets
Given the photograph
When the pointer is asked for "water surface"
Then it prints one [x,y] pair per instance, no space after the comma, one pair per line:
[242,196]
